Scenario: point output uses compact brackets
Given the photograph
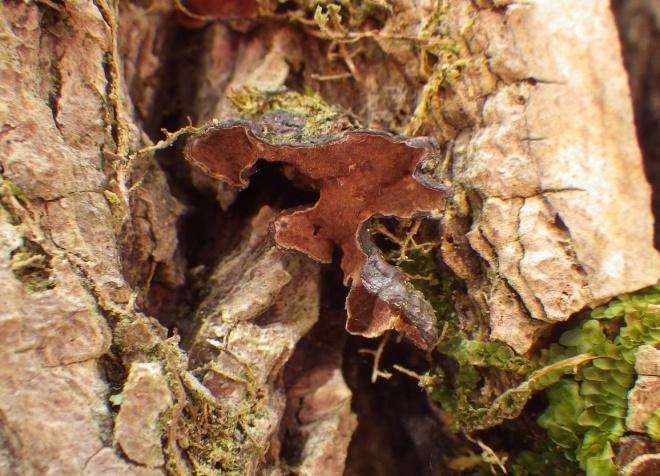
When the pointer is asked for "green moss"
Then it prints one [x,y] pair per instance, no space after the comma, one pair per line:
[442,57]
[116,399]
[408,244]
[329,17]
[118,209]
[11,199]
[442,52]
[586,414]
[461,397]
[14,190]
[212,438]
[308,111]
[653,426]
[559,418]
[112,198]
[335,17]
[545,461]
[31,265]
[199,432]
[219,439]
[585,375]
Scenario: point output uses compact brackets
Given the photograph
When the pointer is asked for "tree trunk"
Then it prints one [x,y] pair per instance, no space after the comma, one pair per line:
[172,304]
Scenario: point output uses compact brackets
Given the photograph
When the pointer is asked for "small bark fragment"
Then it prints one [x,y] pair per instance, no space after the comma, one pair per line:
[647,361]
[646,465]
[630,447]
[327,425]
[144,398]
[644,398]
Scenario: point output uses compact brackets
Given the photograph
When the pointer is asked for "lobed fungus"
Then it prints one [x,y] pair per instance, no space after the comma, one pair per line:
[359,175]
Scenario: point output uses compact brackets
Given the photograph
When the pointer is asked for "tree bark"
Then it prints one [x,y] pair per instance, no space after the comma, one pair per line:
[151,324]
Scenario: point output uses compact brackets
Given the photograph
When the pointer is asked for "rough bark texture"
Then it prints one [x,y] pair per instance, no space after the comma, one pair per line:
[149,324]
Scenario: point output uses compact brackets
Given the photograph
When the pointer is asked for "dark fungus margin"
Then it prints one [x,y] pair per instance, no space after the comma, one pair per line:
[359,175]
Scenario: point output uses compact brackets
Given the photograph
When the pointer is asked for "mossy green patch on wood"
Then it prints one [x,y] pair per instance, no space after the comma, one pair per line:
[612,333]
[31,265]
[337,17]
[12,200]
[585,375]
[199,432]
[308,115]
[653,426]
[218,440]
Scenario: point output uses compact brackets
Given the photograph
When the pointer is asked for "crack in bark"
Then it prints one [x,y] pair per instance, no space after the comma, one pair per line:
[12,446]
[520,270]
[55,93]
[541,193]
[72,193]
[507,280]
[92,457]
[113,81]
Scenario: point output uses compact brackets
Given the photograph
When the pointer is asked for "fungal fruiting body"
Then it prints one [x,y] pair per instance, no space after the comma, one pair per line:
[359,175]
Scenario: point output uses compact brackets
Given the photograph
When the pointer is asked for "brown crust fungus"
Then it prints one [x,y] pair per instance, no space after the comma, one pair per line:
[359,175]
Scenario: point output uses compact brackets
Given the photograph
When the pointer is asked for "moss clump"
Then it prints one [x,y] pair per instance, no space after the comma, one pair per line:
[409,245]
[412,246]
[202,434]
[586,375]
[559,418]
[335,18]
[653,426]
[217,440]
[112,198]
[547,460]
[220,439]
[442,57]
[12,200]
[199,433]
[586,411]
[612,333]
[31,265]
[307,116]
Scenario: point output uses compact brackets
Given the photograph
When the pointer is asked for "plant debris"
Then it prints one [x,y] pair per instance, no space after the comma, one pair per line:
[359,174]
